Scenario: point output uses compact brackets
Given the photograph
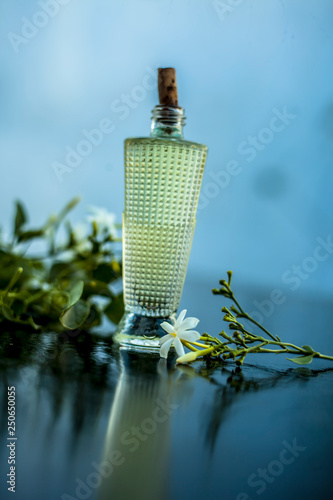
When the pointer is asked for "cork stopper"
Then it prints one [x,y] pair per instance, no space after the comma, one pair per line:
[167,87]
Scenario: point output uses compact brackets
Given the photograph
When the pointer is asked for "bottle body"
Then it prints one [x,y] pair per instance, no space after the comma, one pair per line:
[162,184]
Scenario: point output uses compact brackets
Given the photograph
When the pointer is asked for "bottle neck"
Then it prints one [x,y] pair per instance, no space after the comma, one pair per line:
[167,121]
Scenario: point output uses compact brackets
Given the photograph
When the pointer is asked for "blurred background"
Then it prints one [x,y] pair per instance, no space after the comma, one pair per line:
[255,79]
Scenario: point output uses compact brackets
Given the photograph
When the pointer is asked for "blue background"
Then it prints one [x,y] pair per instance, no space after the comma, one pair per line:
[238,64]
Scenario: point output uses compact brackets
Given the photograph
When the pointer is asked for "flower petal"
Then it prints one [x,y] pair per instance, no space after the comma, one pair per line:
[167,327]
[179,347]
[180,318]
[190,335]
[188,324]
[165,339]
[165,348]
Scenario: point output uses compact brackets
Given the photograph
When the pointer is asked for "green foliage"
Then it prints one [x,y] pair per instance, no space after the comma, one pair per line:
[243,342]
[302,360]
[62,288]
[75,315]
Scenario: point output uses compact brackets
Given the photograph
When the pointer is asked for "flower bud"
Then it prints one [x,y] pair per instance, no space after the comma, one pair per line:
[188,357]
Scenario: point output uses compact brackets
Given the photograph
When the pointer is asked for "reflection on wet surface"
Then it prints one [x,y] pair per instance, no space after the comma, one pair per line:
[96,422]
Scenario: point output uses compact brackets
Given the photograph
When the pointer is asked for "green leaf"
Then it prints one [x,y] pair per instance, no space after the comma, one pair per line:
[307,348]
[29,235]
[94,318]
[20,217]
[7,312]
[17,307]
[97,288]
[302,360]
[60,299]
[76,315]
[68,208]
[75,293]
[105,273]
[115,309]
[59,269]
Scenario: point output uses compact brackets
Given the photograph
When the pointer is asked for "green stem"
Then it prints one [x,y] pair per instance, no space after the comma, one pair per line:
[188,345]
[285,344]
[246,315]
[280,351]
[241,342]
[253,349]
[323,356]
[13,281]
[35,297]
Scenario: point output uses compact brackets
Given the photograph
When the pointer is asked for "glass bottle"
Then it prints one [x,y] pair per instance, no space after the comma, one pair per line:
[163,175]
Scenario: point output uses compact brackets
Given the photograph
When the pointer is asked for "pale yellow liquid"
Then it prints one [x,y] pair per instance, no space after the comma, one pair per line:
[162,185]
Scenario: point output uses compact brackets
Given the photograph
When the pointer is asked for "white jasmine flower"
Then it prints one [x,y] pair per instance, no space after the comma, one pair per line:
[175,334]
[80,231]
[82,244]
[105,220]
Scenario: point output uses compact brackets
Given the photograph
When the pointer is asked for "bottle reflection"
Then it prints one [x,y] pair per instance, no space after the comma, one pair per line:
[135,462]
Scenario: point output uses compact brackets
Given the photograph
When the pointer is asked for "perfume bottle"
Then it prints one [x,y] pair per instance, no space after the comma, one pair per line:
[163,175]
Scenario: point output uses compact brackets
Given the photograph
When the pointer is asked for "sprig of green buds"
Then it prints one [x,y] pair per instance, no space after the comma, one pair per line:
[243,342]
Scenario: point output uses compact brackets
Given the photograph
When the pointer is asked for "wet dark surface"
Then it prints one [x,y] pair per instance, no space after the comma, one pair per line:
[95,422]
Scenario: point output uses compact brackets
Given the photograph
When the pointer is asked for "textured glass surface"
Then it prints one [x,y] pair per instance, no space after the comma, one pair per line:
[162,185]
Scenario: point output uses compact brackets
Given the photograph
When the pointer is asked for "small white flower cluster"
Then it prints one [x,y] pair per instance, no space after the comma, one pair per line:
[105,222]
